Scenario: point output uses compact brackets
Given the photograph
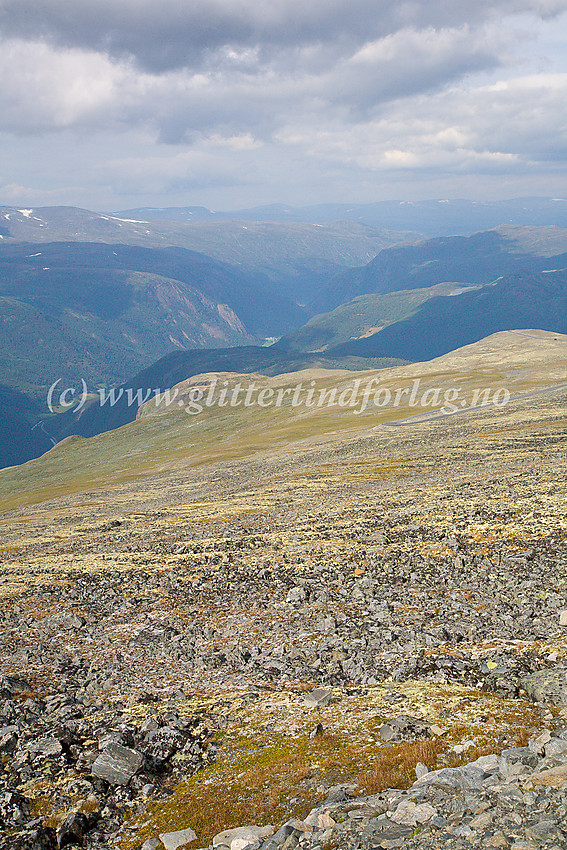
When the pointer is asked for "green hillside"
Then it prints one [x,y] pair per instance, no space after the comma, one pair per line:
[521,300]
[362,317]
[473,260]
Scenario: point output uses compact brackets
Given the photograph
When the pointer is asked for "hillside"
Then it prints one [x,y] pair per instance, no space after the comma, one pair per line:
[519,300]
[473,260]
[181,365]
[362,317]
[328,625]
[175,439]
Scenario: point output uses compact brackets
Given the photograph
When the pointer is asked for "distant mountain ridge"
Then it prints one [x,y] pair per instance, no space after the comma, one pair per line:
[101,312]
[470,260]
[431,217]
[296,257]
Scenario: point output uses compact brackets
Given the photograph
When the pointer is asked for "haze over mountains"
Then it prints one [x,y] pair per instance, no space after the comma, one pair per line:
[432,218]
[147,298]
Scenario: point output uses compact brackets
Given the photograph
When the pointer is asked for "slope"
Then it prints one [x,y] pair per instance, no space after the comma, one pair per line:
[175,436]
[361,317]
[520,300]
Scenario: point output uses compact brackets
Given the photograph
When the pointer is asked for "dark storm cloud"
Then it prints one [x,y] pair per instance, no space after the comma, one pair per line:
[45,88]
[171,34]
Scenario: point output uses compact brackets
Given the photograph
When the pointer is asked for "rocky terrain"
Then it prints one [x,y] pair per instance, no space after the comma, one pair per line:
[359,640]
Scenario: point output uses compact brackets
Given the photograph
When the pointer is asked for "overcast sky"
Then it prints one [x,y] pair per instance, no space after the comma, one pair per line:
[109,104]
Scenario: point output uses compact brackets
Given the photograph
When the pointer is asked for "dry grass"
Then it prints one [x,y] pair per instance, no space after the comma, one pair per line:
[262,787]
[395,768]
[279,782]
[522,737]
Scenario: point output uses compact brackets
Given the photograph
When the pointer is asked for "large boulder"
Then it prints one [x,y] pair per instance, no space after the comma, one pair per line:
[117,764]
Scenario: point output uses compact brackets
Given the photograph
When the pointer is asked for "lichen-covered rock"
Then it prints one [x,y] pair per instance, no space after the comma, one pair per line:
[548,685]
[117,764]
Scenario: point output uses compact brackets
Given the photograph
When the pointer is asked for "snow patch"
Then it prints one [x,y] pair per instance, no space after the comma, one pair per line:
[115,218]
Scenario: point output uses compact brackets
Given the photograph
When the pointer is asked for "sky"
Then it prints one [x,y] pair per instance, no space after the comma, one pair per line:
[115,104]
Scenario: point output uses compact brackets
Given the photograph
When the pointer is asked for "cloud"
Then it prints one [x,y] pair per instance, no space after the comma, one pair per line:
[46,88]
[187,170]
[175,34]
[185,95]
[508,127]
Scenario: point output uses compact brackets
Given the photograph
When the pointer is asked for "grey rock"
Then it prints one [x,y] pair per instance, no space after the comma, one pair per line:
[73,829]
[385,829]
[279,839]
[42,838]
[151,844]
[242,836]
[405,728]
[555,747]
[521,754]
[50,747]
[161,744]
[317,697]
[296,595]
[467,778]
[339,793]
[542,831]
[14,808]
[549,685]
[173,840]
[117,764]
[508,796]
[8,742]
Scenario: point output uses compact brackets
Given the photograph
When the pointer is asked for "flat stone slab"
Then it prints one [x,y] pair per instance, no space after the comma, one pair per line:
[320,696]
[117,764]
[554,777]
[173,840]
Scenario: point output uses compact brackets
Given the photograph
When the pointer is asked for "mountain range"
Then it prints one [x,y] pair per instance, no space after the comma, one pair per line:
[128,303]
[429,217]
